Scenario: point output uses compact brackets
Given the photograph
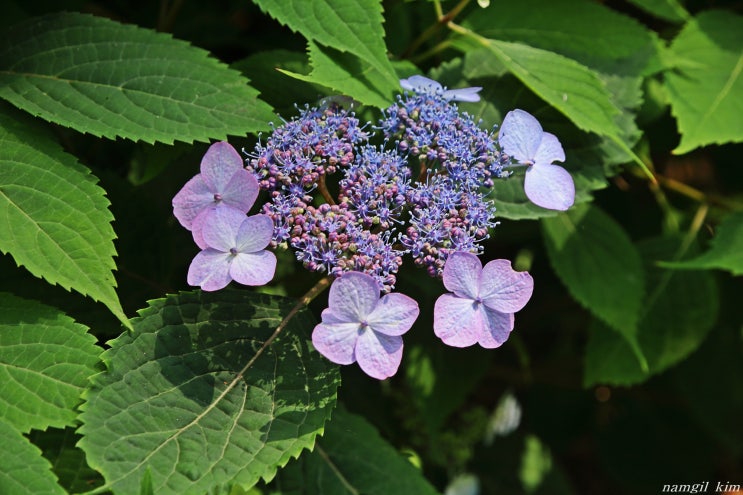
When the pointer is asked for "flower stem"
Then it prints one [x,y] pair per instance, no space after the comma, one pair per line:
[697,195]
[441,20]
[324,190]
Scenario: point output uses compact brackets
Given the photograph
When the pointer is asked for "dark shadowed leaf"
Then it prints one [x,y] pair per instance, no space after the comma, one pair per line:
[351,459]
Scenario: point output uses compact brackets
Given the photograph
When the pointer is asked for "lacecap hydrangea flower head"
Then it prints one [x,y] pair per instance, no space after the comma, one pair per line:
[354,211]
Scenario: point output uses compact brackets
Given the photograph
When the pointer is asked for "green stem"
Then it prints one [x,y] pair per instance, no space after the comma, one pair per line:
[168,13]
[697,195]
[438,48]
[441,21]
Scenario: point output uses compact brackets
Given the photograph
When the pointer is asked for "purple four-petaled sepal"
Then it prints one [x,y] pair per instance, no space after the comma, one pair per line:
[359,326]
[236,250]
[480,307]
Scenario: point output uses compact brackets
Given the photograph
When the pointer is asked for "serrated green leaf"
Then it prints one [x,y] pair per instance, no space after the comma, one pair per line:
[45,362]
[599,265]
[352,26]
[677,316]
[584,31]
[68,461]
[347,74]
[54,219]
[351,459]
[572,88]
[725,252]
[167,401]
[23,471]
[668,10]
[706,87]
[115,80]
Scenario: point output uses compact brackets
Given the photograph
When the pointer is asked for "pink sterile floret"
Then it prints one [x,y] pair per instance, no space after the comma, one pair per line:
[236,250]
[223,182]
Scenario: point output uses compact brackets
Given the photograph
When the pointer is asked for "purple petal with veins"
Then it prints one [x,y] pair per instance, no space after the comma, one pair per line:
[504,289]
[359,326]
[549,186]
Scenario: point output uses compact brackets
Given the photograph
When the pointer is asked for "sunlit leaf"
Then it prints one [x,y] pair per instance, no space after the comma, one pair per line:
[668,10]
[585,31]
[536,463]
[170,401]
[277,88]
[347,74]
[45,362]
[353,26]
[572,88]
[54,219]
[115,80]
[706,86]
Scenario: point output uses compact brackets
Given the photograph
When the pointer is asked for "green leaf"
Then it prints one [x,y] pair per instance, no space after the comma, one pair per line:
[347,74]
[114,80]
[725,252]
[353,26]
[45,362]
[54,219]
[677,315]
[536,463]
[569,27]
[23,471]
[706,87]
[351,459]
[599,265]
[668,10]
[171,402]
